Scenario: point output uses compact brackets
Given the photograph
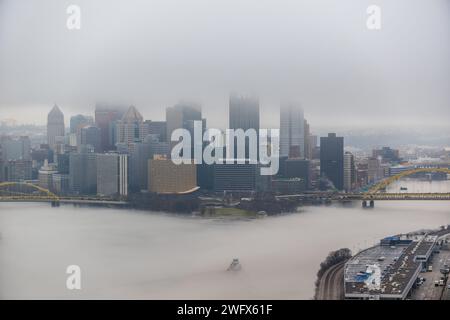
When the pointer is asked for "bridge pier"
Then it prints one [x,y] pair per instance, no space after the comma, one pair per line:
[368,204]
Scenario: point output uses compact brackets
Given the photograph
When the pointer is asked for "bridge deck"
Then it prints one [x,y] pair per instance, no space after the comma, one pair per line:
[365,196]
[64,200]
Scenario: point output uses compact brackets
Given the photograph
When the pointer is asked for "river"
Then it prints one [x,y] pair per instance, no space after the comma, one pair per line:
[134,254]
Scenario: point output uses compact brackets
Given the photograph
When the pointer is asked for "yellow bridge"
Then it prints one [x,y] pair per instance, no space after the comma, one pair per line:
[388,181]
[27,192]
[376,193]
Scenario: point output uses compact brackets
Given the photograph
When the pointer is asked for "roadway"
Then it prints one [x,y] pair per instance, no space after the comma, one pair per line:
[367,197]
[331,284]
[66,200]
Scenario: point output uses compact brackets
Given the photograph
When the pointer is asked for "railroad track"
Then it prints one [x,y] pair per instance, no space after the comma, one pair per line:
[331,283]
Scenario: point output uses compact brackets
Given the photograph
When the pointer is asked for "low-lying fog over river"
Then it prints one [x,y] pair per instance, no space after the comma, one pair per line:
[135,254]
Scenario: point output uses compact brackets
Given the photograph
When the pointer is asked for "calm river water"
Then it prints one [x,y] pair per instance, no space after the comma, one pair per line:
[133,254]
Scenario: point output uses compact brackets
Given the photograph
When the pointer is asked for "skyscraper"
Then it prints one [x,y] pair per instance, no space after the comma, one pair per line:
[15,148]
[55,126]
[91,135]
[297,168]
[112,174]
[244,114]
[375,171]
[292,129]
[180,115]
[349,171]
[63,163]
[142,152]
[77,123]
[2,163]
[105,119]
[332,159]
[17,170]
[159,128]
[307,139]
[83,172]
[387,155]
[131,128]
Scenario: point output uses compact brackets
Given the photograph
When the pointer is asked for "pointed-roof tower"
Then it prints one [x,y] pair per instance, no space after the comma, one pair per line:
[55,115]
[132,115]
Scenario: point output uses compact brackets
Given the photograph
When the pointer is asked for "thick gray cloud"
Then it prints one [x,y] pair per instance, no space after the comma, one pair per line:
[153,53]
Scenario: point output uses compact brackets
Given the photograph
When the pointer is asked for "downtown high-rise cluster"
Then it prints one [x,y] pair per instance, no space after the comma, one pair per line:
[117,152]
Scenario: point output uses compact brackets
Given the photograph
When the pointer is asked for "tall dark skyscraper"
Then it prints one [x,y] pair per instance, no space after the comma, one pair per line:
[244,113]
[91,135]
[332,159]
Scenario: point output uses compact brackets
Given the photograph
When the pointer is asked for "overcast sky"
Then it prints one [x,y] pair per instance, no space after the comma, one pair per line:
[151,53]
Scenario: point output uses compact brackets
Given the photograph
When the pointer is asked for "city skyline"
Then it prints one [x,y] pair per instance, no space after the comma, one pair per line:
[225,149]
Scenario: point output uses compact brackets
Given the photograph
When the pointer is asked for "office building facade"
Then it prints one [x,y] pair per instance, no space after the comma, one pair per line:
[332,160]
[83,173]
[131,128]
[166,177]
[292,130]
[349,172]
[91,135]
[55,126]
[112,175]
[235,177]
[105,119]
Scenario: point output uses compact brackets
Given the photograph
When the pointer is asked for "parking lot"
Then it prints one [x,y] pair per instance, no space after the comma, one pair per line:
[427,290]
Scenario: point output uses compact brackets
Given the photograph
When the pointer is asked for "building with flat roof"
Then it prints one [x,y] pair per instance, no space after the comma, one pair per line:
[83,173]
[166,177]
[235,177]
[332,159]
[15,148]
[388,270]
[112,174]
[349,172]
[17,170]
